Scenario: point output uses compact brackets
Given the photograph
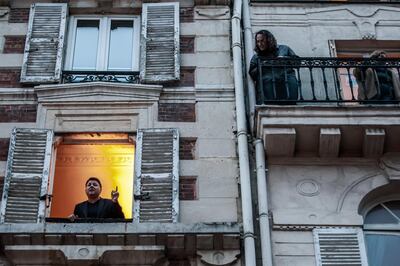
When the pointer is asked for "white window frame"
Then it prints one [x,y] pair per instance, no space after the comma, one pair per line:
[104,41]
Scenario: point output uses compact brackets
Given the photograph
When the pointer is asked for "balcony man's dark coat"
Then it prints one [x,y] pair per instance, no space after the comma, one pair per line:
[278,75]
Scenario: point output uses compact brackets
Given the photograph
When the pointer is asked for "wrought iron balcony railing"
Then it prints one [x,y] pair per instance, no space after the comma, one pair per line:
[105,76]
[297,80]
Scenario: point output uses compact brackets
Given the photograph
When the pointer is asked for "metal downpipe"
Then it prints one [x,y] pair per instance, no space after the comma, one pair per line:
[265,235]
[243,153]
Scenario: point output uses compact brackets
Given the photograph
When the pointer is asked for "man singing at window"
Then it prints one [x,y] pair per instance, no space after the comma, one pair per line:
[95,206]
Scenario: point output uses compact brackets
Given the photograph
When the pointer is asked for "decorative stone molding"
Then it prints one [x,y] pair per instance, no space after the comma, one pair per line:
[308,188]
[97,106]
[218,257]
[213,2]
[390,163]
[374,140]
[367,28]
[329,142]
[65,254]
[4,13]
[364,131]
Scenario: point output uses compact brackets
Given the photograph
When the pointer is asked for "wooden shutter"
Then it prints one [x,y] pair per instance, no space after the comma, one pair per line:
[42,61]
[160,42]
[339,247]
[27,174]
[156,176]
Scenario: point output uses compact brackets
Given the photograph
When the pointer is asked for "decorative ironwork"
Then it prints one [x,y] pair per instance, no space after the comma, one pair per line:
[104,76]
[324,79]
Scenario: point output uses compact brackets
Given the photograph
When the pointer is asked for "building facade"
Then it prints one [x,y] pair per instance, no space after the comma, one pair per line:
[137,93]
[331,158]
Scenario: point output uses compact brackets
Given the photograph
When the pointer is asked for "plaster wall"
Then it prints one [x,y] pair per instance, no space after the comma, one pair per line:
[307,28]
[321,194]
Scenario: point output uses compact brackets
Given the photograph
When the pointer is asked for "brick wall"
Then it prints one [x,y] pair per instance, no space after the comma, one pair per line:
[4,143]
[188,188]
[18,113]
[186,14]
[14,44]
[18,15]
[187,148]
[10,77]
[187,44]
[176,112]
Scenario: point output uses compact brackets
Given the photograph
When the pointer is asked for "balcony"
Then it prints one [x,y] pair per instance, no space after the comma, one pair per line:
[314,107]
[75,76]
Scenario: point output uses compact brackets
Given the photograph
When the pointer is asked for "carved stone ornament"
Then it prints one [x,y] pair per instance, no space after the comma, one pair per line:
[218,257]
[308,187]
[390,163]
[367,29]
[4,13]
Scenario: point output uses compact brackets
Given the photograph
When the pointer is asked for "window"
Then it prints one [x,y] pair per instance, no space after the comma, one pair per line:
[103,44]
[356,49]
[33,162]
[382,234]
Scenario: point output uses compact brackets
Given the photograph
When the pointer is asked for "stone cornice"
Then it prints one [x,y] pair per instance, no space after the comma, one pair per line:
[97,92]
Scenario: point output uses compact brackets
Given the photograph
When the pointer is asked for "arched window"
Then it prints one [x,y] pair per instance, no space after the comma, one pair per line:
[382,234]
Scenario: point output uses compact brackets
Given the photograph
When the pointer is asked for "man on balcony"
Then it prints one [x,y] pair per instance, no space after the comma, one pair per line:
[380,84]
[278,83]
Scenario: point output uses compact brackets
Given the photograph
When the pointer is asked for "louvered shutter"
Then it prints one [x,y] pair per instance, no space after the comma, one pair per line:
[339,247]
[27,175]
[156,176]
[42,61]
[160,43]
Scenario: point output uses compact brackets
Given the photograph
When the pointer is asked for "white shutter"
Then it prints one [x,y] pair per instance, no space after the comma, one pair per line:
[160,42]
[27,174]
[156,176]
[339,247]
[42,61]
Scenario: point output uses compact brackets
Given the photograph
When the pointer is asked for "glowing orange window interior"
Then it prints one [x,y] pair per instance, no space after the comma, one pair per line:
[110,157]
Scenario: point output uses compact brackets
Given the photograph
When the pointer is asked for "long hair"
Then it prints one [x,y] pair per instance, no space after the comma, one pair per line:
[271,44]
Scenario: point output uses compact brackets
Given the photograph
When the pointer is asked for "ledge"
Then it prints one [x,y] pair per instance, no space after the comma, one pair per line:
[329,131]
[120,228]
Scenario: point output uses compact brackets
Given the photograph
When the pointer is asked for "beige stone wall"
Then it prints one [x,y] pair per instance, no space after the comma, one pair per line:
[214,163]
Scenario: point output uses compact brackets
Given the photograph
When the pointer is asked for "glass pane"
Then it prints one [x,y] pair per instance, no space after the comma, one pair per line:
[120,51]
[383,250]
[378,215]
[86,39]
[394,206]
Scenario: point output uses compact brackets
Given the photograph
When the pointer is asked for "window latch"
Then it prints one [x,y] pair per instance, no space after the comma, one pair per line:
[143,196]
[47,198]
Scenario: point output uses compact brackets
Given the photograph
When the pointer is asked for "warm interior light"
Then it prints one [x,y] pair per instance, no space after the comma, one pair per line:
[113,164]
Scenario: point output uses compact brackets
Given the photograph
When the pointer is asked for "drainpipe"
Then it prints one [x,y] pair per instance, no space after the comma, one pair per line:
[265,236]
[248,52]
[243,152]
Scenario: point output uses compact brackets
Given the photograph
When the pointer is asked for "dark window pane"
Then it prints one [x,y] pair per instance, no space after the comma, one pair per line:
[394,206]
[378,215]
[86,42]
[120,50]
[383,250]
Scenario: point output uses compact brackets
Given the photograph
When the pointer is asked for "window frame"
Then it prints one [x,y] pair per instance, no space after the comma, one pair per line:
[103,41]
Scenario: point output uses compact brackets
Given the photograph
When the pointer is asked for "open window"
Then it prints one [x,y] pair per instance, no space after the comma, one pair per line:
[38,168]
[107,156]
[357,49]
[107,43]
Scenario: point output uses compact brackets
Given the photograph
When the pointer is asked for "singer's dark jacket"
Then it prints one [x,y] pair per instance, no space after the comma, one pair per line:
[103,208]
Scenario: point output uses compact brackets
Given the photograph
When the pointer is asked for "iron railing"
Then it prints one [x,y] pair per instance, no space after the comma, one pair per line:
[105,76]
[323,79]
